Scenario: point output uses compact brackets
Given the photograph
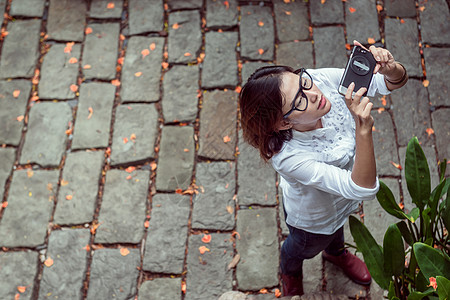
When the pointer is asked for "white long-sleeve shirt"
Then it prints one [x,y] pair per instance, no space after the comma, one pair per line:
[315,166]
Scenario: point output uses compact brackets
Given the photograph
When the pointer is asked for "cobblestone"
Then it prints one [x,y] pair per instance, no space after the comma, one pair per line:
[400,8]
[219,15]
[364,12]
[435,23]
[291,20]
[185,37]
[7,158]
[438,88]
[145,16]
[101,10]
[27,8]
[161,289]
[18,269]
[330,47]
[66,20]
[384,144]
[329,12]
[296,55]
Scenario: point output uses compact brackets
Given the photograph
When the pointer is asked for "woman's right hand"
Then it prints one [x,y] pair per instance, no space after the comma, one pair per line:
[360,108]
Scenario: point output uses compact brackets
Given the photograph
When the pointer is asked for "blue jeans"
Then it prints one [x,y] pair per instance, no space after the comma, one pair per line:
[301,245]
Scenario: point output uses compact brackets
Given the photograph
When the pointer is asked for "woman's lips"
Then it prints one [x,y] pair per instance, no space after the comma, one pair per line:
[322,102]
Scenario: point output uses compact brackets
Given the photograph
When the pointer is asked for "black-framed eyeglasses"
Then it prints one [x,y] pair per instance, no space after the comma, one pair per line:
[300,102]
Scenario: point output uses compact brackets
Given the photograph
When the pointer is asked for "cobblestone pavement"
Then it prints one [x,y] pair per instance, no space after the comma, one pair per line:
[122,171]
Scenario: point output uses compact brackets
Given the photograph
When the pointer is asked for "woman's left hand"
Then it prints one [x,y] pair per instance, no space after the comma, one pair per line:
[385,61]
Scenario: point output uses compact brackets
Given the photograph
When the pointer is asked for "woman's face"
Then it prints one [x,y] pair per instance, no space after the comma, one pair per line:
[318,105]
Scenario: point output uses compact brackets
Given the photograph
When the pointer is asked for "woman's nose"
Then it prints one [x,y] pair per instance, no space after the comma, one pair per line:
[312,95]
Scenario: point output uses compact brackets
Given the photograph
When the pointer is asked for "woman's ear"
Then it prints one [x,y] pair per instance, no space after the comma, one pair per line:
[284,125]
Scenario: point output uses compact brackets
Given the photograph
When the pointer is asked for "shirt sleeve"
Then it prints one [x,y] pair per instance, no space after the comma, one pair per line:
[378,85]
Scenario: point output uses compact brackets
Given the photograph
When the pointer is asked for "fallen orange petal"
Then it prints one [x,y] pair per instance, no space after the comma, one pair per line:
[124,251]
[16,93]
[187,54]
[238,89]
[5,204]
[115,82]
[67,49]
[48,262]
[379,8]
[260,23]
[288,12]
[88,30]
[91,111]
[20,118]
[145,52]
[74,88]
[203,249]
[125,140]
[183,287]
[260,51]
[277,293]
[380,110]
[263,291]
[371,40]
[430,131]
[86,67]
[165,65]
[401,205]
[175,26]
[138,74]
[69,197]
[226,139]
[347,46]
[133,137]
[110,5]
[146,224]
[153,166]
[120,60]
[130,169]
[152,46]
[73,60]
[206,238]
[383,100]
[22,289]
[227,4]
[352,9]
[64,182]
[426,83]
[396,165]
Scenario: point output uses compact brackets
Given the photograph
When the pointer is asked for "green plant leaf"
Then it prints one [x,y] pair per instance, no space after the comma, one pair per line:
[413,214]
[431,262]
[391,291]
[419,295]
[427,224]
[394,251]
[443,288]
[437,194]
[407,235]
[445,215]
[417,174]
[372,252]
[387,202]
[442,168]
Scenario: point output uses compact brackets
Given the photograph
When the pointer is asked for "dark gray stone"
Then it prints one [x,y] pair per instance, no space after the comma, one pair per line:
[437,75]
[183,4]
[161,289]
[57,74]
[114,276]
[384,144]
[145,16]
[412,113]
[135,131]
[2,10]
[30,204]
[363,23]
[165,246]
[46,150]
[176,158]
[217,136]
[381,101]
[123,209]
[20,51]
[81,175]
[256,179]
[258,247]
[220,15]
[250,67]
[67,249]
[99,9]
[435,22]
[296,55]
[11,108]
[92,129]
[214,205]
[328,12]
[400,8]
[329,45]
[18,269]
[207,274]
[185,41]
[7,158]
[442,131]
[292,20]
[220,67]
[402,40]
[257,32]
[100,51]
[312,283]
[66,20]
[145,86]
[180,96]
[27,8]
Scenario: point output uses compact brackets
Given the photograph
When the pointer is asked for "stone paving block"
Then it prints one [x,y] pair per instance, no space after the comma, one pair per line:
[135,131]
[67,249]
[92,129]
[365,13]
[217,137]
[176,158]
[338,283]
[145,16]
[381,101]
[46,150]
[184,41]
[165,246]
[30,204]
[412,113]
[219,15]
[296,55]
[384,144]
[292,20]
[114,276]
[435,22]
[402,41]
[257,33]
[102,10]
[208,275]
[436,74]
[141,75]
[11,108]
[81,176]
[376,219]
[180,96]
[20,51]
[123,209]
[249,67]
[258,248]
[7,158]
[66,20]
[161,289]
[329,45]
[214,204]
[27,8]
[2,10]
[442,131]
[58,74]
[400,8]
[256,179]
[100,51]
[220,67]
[312,283]
[184,4]
[329,12]
[18,269]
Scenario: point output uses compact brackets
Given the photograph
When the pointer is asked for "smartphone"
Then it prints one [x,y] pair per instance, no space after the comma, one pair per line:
[359,70]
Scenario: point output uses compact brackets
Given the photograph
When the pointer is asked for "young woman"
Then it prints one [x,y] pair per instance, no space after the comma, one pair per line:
[321,145]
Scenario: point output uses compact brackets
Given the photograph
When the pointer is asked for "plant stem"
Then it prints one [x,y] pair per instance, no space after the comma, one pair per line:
[412,231]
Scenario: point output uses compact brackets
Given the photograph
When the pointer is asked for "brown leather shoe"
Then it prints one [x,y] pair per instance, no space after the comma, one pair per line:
[292,285]
[352,266]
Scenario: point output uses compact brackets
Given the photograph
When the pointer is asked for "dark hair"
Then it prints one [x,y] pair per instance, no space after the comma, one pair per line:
[261,103]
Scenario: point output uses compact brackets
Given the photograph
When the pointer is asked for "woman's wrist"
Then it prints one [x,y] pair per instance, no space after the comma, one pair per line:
[398,75]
